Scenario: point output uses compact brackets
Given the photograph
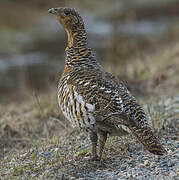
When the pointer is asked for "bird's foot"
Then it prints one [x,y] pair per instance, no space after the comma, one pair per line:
[95,158]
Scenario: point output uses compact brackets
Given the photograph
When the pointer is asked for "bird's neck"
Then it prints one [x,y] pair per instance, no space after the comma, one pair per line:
[77,52]
[77,38]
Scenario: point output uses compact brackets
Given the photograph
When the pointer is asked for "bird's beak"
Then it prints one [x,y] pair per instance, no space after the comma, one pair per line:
[53,11]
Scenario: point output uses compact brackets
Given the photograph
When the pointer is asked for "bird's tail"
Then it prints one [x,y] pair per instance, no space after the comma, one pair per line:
[145,135]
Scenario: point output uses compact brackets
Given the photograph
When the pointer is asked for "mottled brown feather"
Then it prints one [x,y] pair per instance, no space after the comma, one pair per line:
[94,99]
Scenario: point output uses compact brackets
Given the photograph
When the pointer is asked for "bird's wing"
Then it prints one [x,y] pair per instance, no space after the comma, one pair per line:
[109,96]
[131,107]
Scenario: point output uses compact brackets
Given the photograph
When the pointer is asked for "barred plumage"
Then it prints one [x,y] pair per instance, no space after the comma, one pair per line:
[93,99]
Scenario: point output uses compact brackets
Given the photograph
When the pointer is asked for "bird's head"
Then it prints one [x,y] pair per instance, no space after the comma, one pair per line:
[68,17]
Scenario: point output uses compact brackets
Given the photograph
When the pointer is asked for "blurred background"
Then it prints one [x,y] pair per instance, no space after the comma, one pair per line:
[137,40]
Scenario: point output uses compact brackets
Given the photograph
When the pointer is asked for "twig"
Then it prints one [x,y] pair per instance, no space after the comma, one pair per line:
[58,120]
[42,113]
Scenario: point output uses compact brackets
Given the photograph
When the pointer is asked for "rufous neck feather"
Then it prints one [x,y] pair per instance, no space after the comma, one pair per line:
[76,38]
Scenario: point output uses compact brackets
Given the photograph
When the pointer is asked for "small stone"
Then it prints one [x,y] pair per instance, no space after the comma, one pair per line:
[47,153]
[123,168]
[79,174]
[169,152]
[163,164]
[72,178]
[152,164]
[140,158]
[98,171]
[70,147]
[91,174]
[141,166]
[171,164]
[56,149]
[146,162]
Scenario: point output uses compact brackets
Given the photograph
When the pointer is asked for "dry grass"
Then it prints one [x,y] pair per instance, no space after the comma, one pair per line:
[23,124]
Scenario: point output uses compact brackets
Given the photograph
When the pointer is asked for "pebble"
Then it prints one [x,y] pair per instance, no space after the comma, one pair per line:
[122,168]
[163,164]
[72,178]
[146,162]
[91,174]
[47,153]
[169,152]
[139,158]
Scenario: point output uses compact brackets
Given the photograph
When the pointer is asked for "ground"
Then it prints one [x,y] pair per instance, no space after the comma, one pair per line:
[67,155]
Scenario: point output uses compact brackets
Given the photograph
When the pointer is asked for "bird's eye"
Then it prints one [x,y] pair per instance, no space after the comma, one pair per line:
[66,13]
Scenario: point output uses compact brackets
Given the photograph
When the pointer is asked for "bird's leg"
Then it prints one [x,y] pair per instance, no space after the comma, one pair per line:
[94,140]
[102,141]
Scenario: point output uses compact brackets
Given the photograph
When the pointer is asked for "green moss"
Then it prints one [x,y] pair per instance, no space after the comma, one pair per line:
[82,153]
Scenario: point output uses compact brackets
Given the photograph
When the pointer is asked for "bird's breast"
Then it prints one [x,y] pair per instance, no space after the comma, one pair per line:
[74,106]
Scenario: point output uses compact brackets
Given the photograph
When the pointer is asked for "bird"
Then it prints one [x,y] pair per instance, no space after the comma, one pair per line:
[93,99]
